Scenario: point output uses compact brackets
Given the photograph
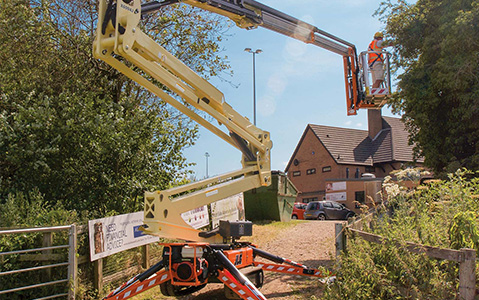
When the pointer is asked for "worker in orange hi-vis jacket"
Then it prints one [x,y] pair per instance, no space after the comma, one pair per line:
[376,60]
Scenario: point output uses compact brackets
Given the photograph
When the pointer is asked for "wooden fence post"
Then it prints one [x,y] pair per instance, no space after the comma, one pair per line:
[145,256]
[340,239]
[47,242]
[72,262]
[467,275]
[98,274]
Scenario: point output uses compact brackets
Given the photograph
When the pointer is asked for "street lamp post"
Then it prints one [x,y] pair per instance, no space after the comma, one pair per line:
[258,51]
[207,155]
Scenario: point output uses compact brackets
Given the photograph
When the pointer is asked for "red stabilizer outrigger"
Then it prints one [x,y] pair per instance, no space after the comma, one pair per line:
[152,277]
[188,267]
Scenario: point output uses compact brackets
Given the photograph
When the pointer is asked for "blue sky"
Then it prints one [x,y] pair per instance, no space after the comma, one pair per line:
[296,84]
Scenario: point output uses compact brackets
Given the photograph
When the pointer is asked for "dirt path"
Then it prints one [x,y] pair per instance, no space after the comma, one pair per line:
[310,243]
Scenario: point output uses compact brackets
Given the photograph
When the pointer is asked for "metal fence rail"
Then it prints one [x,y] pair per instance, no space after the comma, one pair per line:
[69,282]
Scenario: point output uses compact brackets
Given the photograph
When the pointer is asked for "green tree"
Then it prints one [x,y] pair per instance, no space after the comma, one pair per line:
[74,129]
[436,45]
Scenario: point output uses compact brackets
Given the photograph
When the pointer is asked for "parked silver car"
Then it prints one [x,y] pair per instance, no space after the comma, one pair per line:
[327,210]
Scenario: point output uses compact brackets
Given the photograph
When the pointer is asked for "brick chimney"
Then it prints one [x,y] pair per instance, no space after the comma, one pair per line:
[375,122]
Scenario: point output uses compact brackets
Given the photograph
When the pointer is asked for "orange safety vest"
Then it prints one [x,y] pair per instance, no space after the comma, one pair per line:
[373,57]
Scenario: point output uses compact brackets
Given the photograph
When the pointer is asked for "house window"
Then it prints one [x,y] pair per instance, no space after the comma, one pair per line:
[370,169]
[347,172]
[359,198]
[326,169]
[310,171]
[356,175]
[296,173]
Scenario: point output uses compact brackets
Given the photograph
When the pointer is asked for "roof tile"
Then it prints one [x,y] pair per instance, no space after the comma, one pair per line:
[354,146]
[346,146]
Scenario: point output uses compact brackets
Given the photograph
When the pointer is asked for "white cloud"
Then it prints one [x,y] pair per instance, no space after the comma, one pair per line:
[294,49]
[267,105]
[299,61]
[277,82]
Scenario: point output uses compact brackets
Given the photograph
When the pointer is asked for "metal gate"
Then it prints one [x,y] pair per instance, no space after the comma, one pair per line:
[46,261]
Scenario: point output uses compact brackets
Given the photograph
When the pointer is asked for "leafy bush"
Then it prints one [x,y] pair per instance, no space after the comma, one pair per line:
[441,214]
[31,210]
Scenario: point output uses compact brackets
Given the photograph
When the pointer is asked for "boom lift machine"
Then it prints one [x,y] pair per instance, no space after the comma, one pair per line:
[217,255]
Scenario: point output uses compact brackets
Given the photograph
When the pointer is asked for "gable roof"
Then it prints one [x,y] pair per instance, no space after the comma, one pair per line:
[346,146]
[354,146]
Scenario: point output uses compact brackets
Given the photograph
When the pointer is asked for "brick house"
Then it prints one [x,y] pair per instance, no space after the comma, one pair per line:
[328,154]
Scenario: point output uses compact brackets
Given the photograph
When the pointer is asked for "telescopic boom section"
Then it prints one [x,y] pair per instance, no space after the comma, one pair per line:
[251,14]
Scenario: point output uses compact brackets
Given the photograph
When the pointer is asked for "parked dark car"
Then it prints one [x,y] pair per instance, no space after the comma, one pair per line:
[298,211]
[327,210]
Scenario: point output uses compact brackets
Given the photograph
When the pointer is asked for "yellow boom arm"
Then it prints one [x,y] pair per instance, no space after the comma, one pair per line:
[121,37]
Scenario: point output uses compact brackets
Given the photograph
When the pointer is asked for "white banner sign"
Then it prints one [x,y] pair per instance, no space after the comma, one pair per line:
[115,234]
[197,217]
[335,186]
[228,209]
[336,196]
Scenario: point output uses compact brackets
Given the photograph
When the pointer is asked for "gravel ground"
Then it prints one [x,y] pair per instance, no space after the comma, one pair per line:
[310,243]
